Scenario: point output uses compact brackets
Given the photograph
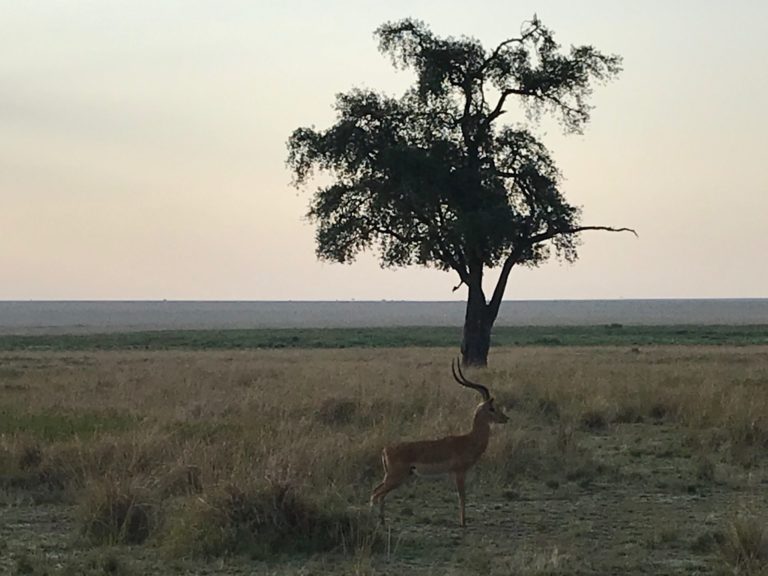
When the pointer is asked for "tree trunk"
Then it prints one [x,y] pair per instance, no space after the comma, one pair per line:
[477,328]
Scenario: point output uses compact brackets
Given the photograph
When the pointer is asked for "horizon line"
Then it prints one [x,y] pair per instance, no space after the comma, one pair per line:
[369,300]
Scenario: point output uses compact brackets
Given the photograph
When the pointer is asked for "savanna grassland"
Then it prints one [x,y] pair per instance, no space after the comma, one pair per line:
[616,460]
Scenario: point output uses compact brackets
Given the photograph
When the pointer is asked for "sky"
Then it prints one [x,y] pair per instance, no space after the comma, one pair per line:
[143,147]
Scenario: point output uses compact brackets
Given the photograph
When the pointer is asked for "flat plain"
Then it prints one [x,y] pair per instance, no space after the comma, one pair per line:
[641,459]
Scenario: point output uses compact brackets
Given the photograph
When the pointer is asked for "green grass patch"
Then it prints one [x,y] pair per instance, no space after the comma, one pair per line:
[51,425]
[391,337]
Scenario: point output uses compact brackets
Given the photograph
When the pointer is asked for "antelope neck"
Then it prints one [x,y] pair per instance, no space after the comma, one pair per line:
[481,428]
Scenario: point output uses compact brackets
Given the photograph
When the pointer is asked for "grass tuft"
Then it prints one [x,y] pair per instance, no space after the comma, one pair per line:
[30,456]
[336,411]
[744,548]
[262,520]
[116,511]
[594,419]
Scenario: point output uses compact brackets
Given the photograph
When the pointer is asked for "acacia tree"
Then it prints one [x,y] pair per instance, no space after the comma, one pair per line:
[436,178]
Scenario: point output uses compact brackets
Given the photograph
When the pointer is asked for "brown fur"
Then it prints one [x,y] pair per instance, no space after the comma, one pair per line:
[449,455]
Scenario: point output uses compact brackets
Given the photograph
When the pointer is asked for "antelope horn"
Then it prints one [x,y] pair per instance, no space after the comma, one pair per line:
[464,382]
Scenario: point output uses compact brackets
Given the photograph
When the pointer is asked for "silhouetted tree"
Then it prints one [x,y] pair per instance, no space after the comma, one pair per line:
[436,178]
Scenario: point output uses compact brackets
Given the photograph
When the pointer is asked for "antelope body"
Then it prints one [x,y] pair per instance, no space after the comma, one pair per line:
[448,455]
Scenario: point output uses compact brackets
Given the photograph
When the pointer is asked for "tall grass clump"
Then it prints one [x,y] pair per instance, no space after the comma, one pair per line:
[28,465]
[117,511]
[744,547]
[263,519]
[515,454]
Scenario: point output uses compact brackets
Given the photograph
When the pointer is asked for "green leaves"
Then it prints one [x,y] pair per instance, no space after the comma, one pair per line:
[433,177]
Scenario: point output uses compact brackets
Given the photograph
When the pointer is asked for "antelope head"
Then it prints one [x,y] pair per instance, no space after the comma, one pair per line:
[486,410]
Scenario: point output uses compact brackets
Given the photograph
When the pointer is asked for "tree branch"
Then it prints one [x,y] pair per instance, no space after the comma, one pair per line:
[465,117]
[498,109]
[512,259]
[552,233]
[389,232]
[505,173]
[501,285]
[436,239]
[456,256]
[536,26]
[443,251]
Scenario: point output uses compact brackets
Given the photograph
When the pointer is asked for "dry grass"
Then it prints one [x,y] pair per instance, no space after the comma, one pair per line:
[744,546]
[222,453]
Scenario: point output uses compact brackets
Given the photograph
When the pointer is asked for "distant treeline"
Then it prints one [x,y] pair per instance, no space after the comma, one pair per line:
[608,335]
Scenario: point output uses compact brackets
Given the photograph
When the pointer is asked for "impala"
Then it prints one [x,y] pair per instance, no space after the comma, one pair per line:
[448,455]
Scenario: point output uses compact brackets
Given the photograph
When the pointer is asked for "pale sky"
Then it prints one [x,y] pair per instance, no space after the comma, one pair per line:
[142,146]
